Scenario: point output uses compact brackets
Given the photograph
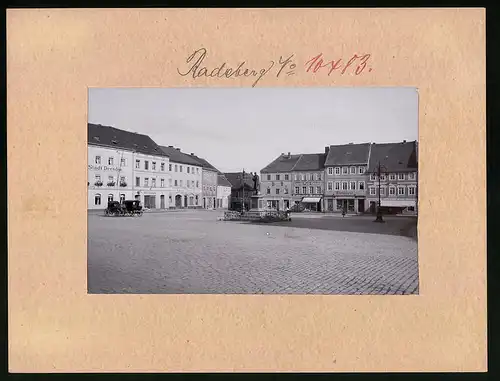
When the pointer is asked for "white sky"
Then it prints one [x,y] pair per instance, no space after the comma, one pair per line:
[236,128]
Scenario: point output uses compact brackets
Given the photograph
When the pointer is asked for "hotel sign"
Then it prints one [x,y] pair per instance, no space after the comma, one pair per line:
[103,168]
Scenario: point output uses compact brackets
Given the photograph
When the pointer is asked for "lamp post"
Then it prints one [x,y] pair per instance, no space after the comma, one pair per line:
[379,211]
[243,192]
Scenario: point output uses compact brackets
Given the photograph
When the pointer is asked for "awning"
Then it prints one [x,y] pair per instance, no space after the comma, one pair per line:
[398,203]
[311,200]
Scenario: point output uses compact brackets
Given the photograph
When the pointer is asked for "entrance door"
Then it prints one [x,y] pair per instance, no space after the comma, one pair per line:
[330,205]
[185,201]
[178,201]
[162,202]
[287,203]
[361,206]
[350,206]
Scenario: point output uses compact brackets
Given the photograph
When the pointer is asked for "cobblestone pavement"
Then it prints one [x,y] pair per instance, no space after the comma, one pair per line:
[192,252]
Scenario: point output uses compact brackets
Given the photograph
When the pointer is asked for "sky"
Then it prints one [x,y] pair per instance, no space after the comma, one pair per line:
[248,128]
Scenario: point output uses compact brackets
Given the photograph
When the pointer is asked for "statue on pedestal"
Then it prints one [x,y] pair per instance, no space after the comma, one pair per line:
[255,183]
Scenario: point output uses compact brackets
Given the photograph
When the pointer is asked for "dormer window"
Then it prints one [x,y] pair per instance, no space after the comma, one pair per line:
[96,138]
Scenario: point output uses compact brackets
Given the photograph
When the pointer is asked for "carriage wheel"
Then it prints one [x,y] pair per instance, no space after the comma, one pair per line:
[117,213]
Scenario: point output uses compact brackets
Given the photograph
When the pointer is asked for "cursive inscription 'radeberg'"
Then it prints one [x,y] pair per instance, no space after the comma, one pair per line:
[196,69]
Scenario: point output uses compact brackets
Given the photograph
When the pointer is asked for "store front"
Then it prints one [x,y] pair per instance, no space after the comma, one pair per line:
[312,203]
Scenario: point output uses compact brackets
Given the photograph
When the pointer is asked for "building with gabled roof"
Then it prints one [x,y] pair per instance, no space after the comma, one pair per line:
[223,191]
[209,181]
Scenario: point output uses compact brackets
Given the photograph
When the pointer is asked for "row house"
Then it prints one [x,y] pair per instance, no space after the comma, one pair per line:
[223,191]
[345,177]
[209,181]
[125,165]
[185,182]
[276,181]
[397,186]
[309,181]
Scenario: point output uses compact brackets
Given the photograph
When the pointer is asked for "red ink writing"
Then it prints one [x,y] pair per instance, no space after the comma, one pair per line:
[356,64]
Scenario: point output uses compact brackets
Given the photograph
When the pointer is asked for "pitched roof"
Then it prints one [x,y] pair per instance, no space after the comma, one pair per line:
[284,163]
[310,162]
[205,164]
[113,137]
[222,181]
[235,179]
[176,155]
[347,154]
[395,157]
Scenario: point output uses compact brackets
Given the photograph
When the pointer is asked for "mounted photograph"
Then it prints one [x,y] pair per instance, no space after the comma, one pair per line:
[253,191]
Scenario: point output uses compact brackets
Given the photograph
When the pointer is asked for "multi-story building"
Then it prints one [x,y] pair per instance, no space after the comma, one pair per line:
[276,181]
[241,190]
[345,178]
[398,177]
[223,192]
[185,182]
[209,182]
[125,165]
[308,181]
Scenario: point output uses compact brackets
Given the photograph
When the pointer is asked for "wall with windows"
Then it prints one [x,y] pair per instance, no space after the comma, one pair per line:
[308,184]
[276,189]
[151,179]
[345,182]
[209,190]
[186,185]
[223,195]
[395,189]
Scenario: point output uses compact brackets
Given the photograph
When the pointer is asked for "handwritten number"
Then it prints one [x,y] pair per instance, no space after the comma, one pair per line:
[362,64]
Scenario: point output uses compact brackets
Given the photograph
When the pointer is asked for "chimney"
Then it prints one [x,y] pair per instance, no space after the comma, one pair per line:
[289,154]
[282,154]
[170,146]
[178,149]
[327,149]
[192,154]
[404,141]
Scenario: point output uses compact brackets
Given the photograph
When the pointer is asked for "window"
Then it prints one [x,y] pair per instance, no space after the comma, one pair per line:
[122,179]
[318,190]
[308,177]
[197,184]
[303,177]
[337,170]
[401,176]
[353,185]
[373,177]
[146,181]
[392,190]
[330,171]
[97,178]
[411,191]
[153,165]
[176,168]
[146,165]
[175,182]
[123,162]
[162,183]
[411,176]
[345,170]
[297,190]
[361,185]
[170,167]
[269,177]
[319,176]
[382,177]
[286,190]
[180,168]
[137,164]
[277,190]
[304,190]
[122,198]
[188,169]
[111,179]
[197,170]
[401,191]
[180,183]
[286,178]
[311,190]
[373,191]
[344,185]
[111,160]
[98,161]
[268,190]
[277,177]
[296,177]
[110,197]
[337,185]
[330,185]
[137,181]
[97,199]
[361,170]
[392,176]
[153,183]
[382,191]
[162,167]
[192,170]
[353,170]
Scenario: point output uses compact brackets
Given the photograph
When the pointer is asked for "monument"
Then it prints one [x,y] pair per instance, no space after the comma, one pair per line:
[256,198]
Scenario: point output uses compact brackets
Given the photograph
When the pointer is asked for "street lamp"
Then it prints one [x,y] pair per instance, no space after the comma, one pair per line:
[379,211]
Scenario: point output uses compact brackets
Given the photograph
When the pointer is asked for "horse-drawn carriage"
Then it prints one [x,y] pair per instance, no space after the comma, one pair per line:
[126,208]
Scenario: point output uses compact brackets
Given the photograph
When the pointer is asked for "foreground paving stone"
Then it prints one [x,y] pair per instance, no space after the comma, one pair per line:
[192,252]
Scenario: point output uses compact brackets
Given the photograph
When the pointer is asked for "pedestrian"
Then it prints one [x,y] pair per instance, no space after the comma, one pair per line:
[343,212]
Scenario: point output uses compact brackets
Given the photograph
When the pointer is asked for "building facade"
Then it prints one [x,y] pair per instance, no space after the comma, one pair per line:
[242,189]
[209,183]
[308,181]
[185,182]
[276,182]
[223,192]
[124,165]
[345,177]
[397,185]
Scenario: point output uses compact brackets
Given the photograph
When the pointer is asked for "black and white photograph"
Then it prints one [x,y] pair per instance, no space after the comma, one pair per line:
[253,191]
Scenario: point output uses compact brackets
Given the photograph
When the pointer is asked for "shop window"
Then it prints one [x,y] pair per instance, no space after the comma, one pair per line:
[97,199]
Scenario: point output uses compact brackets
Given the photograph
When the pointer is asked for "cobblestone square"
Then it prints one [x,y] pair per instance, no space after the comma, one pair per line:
[191,252]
